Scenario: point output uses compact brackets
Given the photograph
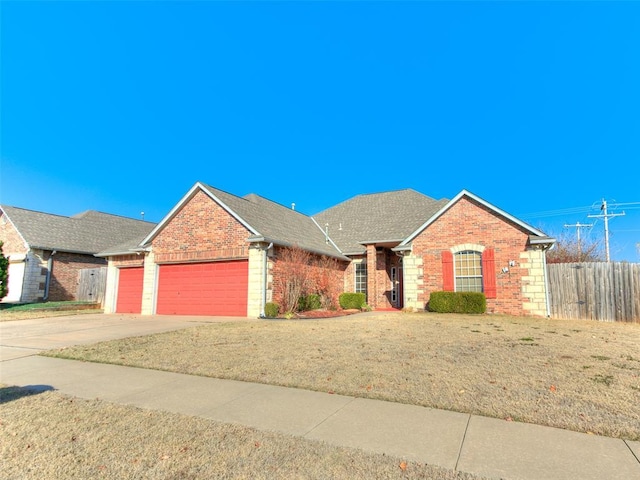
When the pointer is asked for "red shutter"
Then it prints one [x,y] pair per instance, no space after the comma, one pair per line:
[489,273]
[447,271]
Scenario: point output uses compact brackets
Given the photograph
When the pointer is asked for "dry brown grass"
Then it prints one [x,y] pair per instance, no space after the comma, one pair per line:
[53,436]
[578,375]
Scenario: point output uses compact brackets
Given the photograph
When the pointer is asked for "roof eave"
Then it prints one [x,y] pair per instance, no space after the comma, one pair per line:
[63,250]
[131,251]
[283,243]
[544,241]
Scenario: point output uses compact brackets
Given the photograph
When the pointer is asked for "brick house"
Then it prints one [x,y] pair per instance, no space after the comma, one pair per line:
[216,253]
[46,251]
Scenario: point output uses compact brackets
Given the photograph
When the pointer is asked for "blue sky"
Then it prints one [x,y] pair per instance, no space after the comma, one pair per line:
[122,106]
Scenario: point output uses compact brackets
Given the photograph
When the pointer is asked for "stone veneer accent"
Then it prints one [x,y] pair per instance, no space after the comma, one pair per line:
[35,276]
[413,281]
[256,279]
[149,282]
[534,282]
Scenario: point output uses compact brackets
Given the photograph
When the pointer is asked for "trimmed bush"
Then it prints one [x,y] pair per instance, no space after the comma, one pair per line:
[350,301]
[271,310]
[457,302]
[310,302]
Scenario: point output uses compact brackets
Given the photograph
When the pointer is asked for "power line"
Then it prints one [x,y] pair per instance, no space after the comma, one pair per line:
[606,216]
[573,210]
[578,226]
[556,213]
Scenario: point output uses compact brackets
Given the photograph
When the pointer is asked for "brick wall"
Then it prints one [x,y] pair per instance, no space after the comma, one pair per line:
[13,242]
[468,222]
[201,230]
[63,282]
[379,264]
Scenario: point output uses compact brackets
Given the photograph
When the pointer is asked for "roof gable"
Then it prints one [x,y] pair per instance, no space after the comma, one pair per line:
[464,193]
[265,220]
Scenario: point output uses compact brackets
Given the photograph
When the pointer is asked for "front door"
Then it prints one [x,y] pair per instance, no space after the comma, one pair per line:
[396,286]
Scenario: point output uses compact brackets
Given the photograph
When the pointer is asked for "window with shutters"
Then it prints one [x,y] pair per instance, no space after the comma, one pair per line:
[468,271]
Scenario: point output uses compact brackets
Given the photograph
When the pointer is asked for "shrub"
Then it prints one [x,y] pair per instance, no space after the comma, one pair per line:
[310,302]
[350,301]
[457,302]
[271,310]
[4,274]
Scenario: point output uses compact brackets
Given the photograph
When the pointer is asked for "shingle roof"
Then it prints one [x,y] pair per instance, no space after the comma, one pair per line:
[378,217]
[88,232]
[276,222]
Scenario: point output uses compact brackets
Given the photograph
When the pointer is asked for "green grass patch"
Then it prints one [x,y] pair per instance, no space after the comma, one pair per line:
[604,379]
[25,307]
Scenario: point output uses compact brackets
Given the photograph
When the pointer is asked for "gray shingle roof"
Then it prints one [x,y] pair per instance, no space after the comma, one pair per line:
[276,222]
[378,217]
[88,232]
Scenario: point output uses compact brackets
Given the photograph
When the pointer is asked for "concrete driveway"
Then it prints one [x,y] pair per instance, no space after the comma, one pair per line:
[22,338]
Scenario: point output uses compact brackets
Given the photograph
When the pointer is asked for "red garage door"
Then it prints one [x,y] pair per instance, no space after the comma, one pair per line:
[217,288]
[130,290]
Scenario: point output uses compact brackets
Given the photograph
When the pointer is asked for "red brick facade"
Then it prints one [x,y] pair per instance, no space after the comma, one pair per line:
[201,230]
[125,261]
[63,283]
[468,222]
[13,242]
[380,294]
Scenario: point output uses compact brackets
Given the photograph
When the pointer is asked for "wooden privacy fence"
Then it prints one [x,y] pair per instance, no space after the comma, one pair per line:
[595,291]
[92,283]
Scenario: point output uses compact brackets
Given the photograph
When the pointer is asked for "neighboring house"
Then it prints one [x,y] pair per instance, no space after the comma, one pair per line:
[46,251]
[218,254]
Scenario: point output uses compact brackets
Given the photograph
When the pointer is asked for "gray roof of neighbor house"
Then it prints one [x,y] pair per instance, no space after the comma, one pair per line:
[89,232]
[387,217]
[277,223]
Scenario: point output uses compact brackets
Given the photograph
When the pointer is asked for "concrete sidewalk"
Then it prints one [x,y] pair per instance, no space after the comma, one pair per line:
[482,446]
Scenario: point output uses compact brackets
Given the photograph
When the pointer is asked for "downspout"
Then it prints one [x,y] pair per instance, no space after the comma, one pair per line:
[546,282]
[265,264]
[48,279]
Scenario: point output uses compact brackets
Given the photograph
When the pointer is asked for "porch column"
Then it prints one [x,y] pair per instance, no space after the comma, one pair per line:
[372,295]
[149,285]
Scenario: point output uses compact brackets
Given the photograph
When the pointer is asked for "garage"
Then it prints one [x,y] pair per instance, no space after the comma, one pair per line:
[130,282]
[214,288]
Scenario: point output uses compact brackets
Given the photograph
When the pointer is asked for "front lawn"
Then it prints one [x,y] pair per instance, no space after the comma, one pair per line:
[22,311]
[578,375]
[52,436]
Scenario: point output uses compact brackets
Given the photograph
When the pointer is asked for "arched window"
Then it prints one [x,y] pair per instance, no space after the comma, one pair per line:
[468,271]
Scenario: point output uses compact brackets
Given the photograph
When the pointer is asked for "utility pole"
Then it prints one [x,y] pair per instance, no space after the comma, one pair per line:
[578,226]
[605,215]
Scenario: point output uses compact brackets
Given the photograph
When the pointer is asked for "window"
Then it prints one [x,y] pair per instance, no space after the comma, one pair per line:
[361,278]
[471,271]
[468,271]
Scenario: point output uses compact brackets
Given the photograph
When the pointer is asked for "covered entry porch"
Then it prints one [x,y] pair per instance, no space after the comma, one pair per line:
[384,276]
